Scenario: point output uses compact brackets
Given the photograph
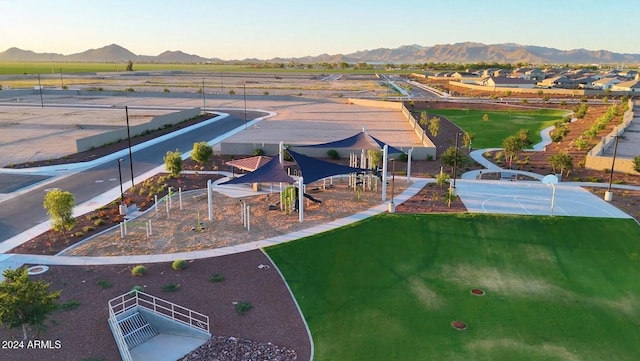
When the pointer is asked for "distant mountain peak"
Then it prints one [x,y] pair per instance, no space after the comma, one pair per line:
[463,52]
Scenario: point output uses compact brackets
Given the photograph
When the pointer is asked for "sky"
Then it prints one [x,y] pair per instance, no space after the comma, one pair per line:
[264,29]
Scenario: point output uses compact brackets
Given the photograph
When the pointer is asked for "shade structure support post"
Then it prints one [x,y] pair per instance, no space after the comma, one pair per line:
[210,199]
[409,165]
[301,200]
[385,156]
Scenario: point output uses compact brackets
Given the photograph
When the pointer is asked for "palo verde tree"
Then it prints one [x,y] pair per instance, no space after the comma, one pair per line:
[59,205]
[201,152]
[24,302]
[173,163]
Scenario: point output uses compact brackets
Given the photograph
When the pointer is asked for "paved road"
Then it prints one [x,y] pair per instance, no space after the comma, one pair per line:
[25,211]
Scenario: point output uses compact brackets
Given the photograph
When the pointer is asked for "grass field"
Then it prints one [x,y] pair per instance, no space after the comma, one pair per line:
[388,288]
[501,124]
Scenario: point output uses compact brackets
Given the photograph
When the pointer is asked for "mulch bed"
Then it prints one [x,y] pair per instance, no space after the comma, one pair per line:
[84,333]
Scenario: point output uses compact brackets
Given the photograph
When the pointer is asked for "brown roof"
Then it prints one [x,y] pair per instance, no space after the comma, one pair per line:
[252,163]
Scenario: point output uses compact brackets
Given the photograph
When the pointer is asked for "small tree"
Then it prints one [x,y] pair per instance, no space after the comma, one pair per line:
[376,157]
[451,157]
[423,119]
[24,302]
[485,118]
[173,163]
[201,152]
[511,146]
[130,66]
[434,126]
[59,205]
[524,137]
[442,179]
[468,138]
[562,162]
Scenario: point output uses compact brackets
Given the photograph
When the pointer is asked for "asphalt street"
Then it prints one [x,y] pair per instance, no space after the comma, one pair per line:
[24,211]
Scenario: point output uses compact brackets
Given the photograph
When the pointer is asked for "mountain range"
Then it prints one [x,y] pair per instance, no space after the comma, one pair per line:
[467,52]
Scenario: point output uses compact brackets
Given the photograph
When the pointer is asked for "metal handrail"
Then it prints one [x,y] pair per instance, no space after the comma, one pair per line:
[125,354]
[176,312]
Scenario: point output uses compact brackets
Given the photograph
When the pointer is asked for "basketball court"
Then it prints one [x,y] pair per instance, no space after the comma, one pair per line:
[533,198]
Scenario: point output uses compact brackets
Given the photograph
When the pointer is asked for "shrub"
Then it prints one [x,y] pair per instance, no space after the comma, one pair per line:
[232,92]
[258,151]
[179,265]
[265,93]
[581,143]
[404,157]
[243,307]
[333,154]
[139,270]
[78,234]
[636,163]
[171,287]
[429,157]
[216,278]
[104,284]
[201,152]
[173,163]
[137,288]
[98,222]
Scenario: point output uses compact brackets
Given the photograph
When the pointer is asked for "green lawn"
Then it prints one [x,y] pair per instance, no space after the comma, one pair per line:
[501,124]
[387,288]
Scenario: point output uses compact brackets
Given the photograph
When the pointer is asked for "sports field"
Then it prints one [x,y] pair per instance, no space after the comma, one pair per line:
[501,124]
[388,288]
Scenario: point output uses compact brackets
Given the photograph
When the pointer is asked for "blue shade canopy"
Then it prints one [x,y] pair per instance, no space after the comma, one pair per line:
[361,140]
[315,169]
[272,171]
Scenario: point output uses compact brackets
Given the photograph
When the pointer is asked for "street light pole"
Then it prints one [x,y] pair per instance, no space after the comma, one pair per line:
[126,111]
[40,88]
[455,162]
[120,176]
[204,100]
[244,92]
[608,195]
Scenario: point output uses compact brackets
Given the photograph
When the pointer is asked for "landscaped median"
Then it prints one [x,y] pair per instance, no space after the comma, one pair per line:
[401,287]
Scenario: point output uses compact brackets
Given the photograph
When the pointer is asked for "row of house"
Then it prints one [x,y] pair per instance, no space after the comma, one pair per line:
[614,80]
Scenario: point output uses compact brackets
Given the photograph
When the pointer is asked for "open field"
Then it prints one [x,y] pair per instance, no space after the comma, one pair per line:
[19,67]
[501,124]
[388,288]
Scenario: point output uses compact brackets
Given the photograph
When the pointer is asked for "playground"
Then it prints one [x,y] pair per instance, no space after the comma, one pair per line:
[182,225]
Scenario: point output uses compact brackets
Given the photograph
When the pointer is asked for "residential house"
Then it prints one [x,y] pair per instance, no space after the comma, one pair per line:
[504,82]
[465,77]
[605,83]
[627,86]
[558,82]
